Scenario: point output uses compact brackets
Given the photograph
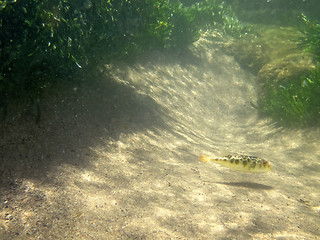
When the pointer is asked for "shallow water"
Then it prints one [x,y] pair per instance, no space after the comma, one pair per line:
[119,159]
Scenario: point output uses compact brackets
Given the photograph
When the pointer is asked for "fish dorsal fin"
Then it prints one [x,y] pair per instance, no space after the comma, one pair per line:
[224,152]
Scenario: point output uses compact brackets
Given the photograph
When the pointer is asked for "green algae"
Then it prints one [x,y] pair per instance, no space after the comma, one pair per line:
[296,103]
[288,79]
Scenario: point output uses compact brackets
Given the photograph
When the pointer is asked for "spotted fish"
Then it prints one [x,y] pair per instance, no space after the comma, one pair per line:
[241,163]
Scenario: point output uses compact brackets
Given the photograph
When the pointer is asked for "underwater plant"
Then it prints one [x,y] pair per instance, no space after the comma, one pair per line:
[44,41]
[219,15]
[311,39]
[296,103]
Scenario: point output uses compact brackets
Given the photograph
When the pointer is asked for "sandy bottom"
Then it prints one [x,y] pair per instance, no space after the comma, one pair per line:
[117,158]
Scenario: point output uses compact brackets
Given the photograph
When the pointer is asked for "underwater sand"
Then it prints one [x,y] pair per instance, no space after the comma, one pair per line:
[118,159]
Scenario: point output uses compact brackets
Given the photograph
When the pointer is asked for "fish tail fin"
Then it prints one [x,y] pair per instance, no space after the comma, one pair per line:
[204,159]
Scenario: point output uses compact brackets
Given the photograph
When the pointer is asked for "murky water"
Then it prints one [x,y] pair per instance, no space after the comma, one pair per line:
[120,160]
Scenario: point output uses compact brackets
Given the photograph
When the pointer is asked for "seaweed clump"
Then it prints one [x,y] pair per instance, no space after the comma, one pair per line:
[311,39]
[296,103]
[43,43]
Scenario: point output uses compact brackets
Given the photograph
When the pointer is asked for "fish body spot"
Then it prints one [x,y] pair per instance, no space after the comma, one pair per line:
[249,163]
[253,165]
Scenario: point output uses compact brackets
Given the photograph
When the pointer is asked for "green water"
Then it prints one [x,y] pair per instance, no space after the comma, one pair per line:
[107,106]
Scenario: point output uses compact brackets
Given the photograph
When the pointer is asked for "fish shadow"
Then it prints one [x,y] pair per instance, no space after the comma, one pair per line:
[250,185]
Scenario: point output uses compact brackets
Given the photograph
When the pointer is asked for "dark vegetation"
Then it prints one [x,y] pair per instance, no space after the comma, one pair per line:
[43,43]
[297,103]
[294,103]
[275,12]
